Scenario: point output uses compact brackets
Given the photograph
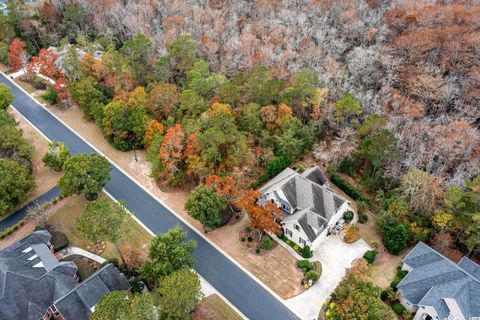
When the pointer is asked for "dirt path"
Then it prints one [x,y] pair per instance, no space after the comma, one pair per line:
[277,269]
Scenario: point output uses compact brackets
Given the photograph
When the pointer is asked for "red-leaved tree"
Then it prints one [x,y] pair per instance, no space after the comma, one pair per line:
[44,63]
[17,56]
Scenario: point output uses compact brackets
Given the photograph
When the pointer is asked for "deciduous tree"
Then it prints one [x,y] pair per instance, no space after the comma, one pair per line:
[6,97]
[85,175]
[16,183]
[17,56]
[44,64]
[179,293]
[205,205]
[123,305]
[168,252]
[102,220]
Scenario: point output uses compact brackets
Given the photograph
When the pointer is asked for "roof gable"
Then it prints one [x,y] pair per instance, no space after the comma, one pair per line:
[434,278]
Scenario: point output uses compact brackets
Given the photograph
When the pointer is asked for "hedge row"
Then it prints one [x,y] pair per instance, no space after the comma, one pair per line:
[8,231]
[347,187]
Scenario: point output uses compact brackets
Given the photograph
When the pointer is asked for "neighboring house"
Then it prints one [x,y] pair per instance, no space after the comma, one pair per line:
[97,55]
[311,210]
[35,285]
[437,288]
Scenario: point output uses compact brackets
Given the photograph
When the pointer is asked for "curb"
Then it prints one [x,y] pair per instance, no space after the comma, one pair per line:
[274,294]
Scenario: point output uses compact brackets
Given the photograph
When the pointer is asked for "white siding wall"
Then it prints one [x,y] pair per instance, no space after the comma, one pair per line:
[296,234]
[425,310]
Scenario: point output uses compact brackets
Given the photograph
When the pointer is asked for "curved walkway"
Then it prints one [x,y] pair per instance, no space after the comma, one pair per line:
[250,297]
[68,251]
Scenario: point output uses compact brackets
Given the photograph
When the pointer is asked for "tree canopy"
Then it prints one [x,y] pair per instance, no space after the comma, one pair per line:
[206,206]
[85,175]
[168,252]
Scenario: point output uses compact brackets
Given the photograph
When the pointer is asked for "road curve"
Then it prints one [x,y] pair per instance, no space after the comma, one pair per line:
[233,283]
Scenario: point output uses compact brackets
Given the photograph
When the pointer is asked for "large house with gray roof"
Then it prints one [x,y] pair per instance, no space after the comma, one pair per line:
[310,208]
[35,285]
[437,288]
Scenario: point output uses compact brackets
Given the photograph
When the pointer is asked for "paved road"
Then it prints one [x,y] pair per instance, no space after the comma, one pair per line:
[239,288]
[22,212]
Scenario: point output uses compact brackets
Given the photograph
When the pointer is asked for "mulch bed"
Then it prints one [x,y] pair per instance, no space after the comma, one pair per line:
[254,244]
[86,267]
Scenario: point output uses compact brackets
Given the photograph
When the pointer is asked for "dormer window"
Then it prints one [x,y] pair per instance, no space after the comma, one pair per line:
[296,226]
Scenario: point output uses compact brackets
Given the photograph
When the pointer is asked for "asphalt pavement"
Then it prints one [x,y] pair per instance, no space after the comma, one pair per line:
[233,283]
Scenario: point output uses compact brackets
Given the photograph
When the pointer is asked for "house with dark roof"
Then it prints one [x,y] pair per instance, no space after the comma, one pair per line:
[310,208]
[35,285]
[437,288]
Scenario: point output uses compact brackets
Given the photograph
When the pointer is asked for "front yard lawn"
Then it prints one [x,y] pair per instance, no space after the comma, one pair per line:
[64,220]
[220,309]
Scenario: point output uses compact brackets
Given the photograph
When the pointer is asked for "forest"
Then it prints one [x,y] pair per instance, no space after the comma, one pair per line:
[386,92]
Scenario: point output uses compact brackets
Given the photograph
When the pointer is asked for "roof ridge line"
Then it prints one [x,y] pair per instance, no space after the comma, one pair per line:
[445,258]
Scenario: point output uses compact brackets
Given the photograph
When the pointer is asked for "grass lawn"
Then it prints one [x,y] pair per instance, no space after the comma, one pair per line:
[26,86]
[64,220]
[220,309]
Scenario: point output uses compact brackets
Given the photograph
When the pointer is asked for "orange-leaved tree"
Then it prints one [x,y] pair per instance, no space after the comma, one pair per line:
[225,187]
[44,63]
[153,127]
[17,56]
[176,147]
[265,217]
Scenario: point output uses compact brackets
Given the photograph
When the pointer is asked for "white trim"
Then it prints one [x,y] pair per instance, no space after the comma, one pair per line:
[264,286]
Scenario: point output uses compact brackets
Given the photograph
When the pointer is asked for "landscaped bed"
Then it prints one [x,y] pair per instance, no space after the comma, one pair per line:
[250,239]
[86,266]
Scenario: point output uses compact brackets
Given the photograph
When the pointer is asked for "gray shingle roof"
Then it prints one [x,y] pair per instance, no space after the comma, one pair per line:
[78,303]
[30,279]
[313,204]
[434,278]
[315,175]
[470,267]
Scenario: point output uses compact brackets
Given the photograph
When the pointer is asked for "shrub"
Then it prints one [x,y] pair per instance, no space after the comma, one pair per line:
[305,265]
[351,234]
[56,155]
[250,239]
[346,187]
[266,243]
[396,238]
[394,284]
[370,256]
[363,218]
[257,251]
[59,240]
[312,275]
[243,239]
[306,252]
[50,96]
[362,206]
[384,295]
[348,215]
[399,308]
[296,247]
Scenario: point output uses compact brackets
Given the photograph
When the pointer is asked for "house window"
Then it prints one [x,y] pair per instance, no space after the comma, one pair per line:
[284,207]
[303,242]
[297,227]
[288,232]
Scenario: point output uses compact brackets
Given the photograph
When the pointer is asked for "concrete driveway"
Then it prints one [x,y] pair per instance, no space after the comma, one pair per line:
[336,256]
